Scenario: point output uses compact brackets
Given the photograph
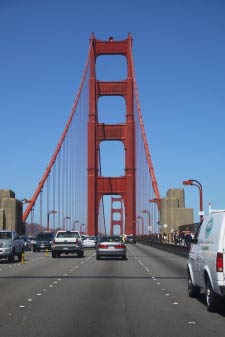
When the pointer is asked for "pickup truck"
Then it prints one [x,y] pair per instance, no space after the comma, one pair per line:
[10,245]
[67,242]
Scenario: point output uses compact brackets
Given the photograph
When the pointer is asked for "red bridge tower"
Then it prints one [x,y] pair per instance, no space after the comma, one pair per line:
[99,186]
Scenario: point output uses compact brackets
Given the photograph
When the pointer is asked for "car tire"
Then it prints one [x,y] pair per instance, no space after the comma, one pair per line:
[54,254]
[80,254]
[20,256]
[193,291]
[34,250]
[211,297]
[97,257]
[124,257]
[11,258]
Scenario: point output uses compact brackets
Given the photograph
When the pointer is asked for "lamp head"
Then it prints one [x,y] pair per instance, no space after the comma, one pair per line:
[188,182]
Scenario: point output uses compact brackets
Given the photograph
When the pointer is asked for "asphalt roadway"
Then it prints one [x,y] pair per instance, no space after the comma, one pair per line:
[146,295]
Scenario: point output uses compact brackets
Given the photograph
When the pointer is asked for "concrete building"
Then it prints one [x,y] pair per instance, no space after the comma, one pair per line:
[173,212]
[11,212]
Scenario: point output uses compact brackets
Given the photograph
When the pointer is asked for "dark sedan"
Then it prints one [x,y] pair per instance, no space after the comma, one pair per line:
[43,241]
[130,239]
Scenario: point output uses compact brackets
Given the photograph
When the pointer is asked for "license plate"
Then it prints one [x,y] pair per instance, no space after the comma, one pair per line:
[42,246]
[65,248]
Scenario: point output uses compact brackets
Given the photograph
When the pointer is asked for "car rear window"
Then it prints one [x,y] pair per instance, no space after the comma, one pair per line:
[67,235]
[110,239]
[42,237]
[5,235]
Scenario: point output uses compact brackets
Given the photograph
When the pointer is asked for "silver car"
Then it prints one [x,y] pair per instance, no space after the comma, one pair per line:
[89,241]
[110,246]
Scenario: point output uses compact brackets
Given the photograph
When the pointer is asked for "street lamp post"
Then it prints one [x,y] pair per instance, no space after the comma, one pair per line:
[142,220]
[134,228]
[25,201]
[50,212]
[74,224]
[147,212]
[156,201]
[81,225]
[64,221]
[137,224]
[196,183]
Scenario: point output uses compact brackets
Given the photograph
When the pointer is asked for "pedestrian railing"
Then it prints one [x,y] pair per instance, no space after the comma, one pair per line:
[179,249]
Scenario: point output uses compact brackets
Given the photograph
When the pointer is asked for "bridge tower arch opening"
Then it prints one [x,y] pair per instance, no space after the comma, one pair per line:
[106,65]
[112,155]
[111,110]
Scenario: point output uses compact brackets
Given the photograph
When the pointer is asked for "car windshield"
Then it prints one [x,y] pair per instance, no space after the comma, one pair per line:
[5,235]
[24,238]
[110,239]
[67,235]
[44,236]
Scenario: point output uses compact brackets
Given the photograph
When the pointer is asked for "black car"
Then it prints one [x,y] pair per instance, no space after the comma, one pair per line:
[43,241]
[130,239]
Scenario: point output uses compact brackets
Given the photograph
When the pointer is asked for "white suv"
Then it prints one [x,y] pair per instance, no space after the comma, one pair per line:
[67,242]
[206,264]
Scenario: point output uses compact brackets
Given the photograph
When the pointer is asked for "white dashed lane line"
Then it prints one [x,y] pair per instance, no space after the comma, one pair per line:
[39,294]
[154,278]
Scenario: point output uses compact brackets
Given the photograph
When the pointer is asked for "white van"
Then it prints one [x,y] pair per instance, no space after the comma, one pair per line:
[206,266]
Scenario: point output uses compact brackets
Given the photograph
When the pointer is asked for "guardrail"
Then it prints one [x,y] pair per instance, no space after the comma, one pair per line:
[169,247]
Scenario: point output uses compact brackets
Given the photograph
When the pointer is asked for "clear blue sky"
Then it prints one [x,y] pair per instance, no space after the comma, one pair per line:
[179,55]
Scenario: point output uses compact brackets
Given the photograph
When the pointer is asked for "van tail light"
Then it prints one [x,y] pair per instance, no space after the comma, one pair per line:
[219,262]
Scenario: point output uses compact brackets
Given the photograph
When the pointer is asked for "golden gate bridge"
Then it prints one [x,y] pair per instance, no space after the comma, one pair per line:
[70,194]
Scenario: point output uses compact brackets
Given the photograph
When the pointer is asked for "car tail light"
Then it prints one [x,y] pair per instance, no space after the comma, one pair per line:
[122,246]
[219,262]
[103,246]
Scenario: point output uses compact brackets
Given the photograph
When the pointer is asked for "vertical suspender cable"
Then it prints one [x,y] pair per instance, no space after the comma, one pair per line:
[59,189]
[63,183]
[53,192]
[41,223]
[48,194]
[48,170]
[149,160]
